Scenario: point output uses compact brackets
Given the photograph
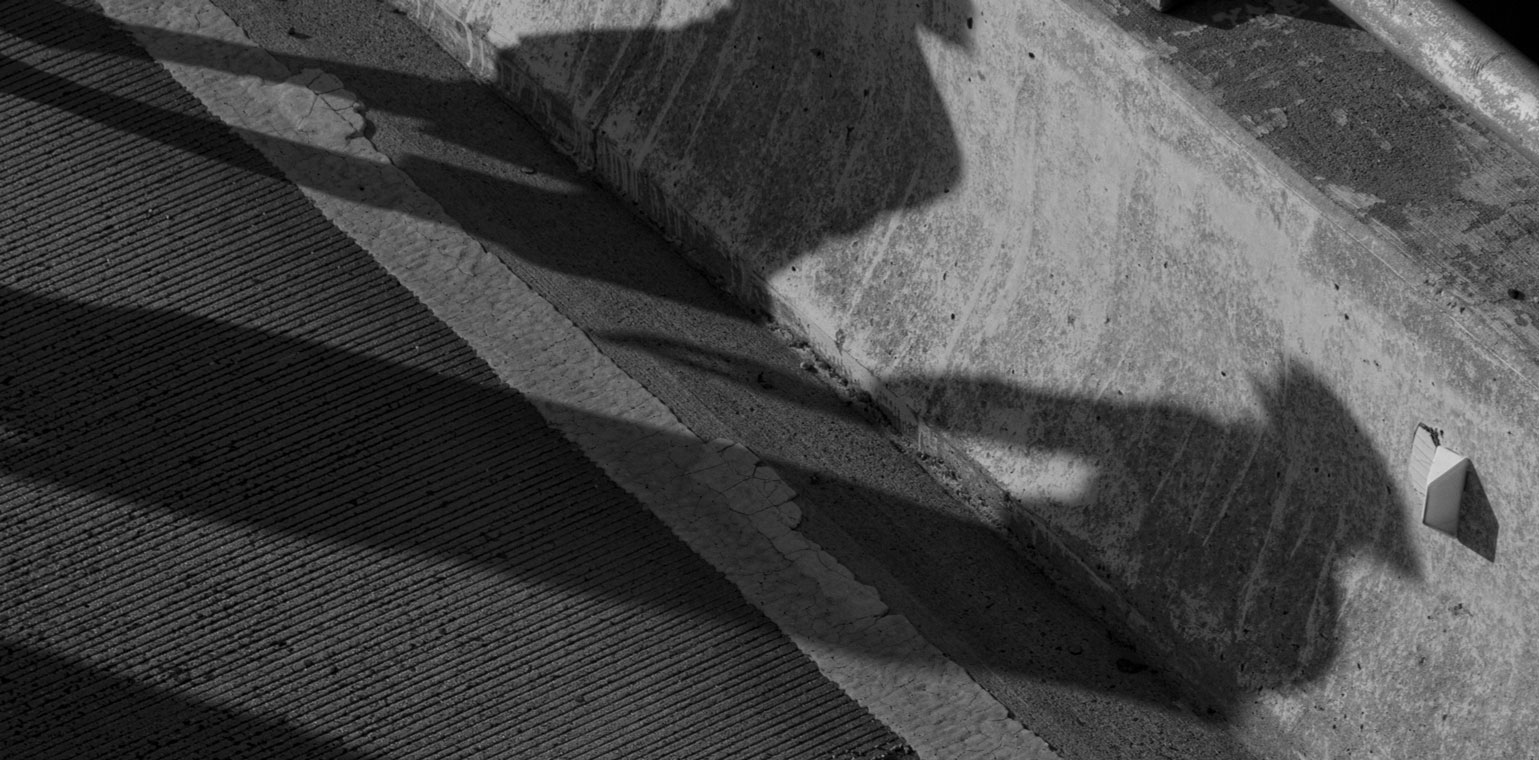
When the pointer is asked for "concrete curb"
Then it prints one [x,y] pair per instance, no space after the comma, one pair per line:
[1448,45]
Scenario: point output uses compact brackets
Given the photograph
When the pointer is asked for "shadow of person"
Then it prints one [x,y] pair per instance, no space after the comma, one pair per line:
[802,120]
[1229,536]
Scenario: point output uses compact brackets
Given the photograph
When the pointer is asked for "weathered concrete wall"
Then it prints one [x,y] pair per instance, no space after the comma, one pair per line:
[1188,380]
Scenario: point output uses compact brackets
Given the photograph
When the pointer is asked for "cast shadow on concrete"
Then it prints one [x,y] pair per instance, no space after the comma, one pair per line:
[807,119]
[1478,527]
[875,139]
[1235,530]
[60,707]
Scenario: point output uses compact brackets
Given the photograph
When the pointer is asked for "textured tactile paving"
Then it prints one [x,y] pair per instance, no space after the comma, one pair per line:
[256,502]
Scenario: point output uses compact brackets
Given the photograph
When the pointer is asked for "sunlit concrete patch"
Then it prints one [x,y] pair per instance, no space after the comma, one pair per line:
[729,506]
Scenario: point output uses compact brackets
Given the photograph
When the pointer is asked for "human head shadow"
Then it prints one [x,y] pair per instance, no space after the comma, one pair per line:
[1227,533]
[58,707]
[809,120]
[874,138]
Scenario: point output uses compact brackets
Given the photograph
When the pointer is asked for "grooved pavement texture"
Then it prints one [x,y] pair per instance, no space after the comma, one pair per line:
[255,501]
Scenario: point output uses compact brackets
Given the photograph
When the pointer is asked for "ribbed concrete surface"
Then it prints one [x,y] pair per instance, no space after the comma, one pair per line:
[256,502]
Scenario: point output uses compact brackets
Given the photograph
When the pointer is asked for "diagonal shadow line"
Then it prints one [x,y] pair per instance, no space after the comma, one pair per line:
[175,129]
[179,130]
[238,60]
[171,126]
[239,426]
[139,413]
[96,713]
[71,29]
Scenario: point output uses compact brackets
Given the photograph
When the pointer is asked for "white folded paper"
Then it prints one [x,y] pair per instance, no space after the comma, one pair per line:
[1438,475]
